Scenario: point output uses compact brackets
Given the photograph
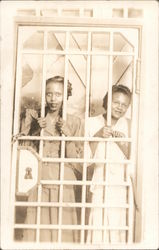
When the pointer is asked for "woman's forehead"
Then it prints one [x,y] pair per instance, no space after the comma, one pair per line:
[54,86]
[120,95]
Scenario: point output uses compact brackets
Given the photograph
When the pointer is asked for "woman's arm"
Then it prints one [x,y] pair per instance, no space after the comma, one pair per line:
[124,146]
[107,132]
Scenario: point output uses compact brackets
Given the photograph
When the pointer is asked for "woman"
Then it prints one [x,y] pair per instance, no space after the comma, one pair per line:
[113,173]
[53,125]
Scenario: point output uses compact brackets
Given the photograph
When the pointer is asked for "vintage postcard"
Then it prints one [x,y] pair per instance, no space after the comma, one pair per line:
[79,125]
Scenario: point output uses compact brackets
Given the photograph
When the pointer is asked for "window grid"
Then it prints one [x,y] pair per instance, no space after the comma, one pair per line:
[63,142]
[107,144]
[62,160]
[41,133]
[75,227]
[15,131]
[86,143]
[75,204]
[132,154]
[85,138]
[93,53]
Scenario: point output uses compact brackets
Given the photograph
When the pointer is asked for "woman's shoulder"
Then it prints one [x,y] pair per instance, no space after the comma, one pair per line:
[126,120]
[124,125]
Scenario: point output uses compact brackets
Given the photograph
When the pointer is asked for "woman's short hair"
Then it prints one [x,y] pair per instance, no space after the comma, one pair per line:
[117,88]
[60,79]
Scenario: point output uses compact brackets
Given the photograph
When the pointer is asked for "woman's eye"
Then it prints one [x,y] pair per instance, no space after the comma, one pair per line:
[58,94]
[124,106]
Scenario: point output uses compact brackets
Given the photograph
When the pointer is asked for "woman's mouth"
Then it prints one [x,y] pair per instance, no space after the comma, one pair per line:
[118,112]
[53,105]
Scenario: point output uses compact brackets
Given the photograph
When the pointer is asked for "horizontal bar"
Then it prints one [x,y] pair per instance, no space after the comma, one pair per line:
[85,25]
[71,52]
[68,204]
[80,160]
[73,182]
[69,227]
[77,23]
[75,138]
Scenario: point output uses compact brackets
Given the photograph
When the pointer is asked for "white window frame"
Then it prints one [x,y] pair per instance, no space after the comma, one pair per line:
[62,22]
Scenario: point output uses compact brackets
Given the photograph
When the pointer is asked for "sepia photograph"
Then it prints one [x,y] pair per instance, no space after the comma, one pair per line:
[79,125]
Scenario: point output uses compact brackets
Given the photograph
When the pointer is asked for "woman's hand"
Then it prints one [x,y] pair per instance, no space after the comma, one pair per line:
[42,122]
[123,145]
[105,132]
[118,134]
[63,128]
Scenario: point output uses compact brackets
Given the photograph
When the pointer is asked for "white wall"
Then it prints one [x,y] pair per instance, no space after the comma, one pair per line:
[148,137]
[148,133]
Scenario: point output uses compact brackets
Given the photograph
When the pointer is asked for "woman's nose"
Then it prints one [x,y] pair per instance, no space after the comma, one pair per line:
[120,106]
[53,97]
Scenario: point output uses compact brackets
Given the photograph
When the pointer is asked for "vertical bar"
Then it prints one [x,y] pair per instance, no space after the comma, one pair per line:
[110,81]
[86,143]
[81,12]
[132,152]
[130,212]
[108,124]
[16,130]
[59,11]
[125,12]
[41,134]
[64,115]
[38,11]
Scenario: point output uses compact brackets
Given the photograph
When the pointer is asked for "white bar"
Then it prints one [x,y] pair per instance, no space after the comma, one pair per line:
[69,204]
[77,227]
[106,189]
[76,52]
[85,143]
[64,116]
[15,131]
[38,214]
[130,213]
[125,12]
[41,134]
[70,138]
[38,10]
[81,12]
[132,152]
[82,28]
[84,160]
[110,81]
[59,11]
[12,191]
[18,85]
[49,182]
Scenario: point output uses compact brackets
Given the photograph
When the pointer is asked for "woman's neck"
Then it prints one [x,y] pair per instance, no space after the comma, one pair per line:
[53,114]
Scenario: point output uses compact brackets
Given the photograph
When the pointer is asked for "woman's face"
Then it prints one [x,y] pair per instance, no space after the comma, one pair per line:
[54,96]
[120,104]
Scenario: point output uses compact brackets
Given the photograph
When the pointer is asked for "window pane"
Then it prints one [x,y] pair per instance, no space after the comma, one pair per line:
[100,41]
[121,43]
[34,40]
[99,83]
[31,82]
[56,40]
[78,41]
